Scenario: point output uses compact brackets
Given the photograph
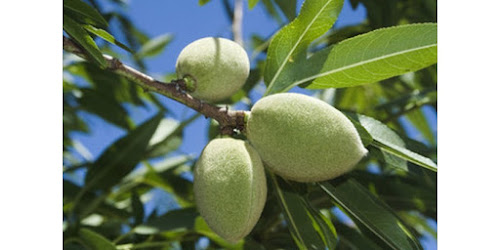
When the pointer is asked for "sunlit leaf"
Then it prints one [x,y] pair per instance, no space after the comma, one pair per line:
[203,2]
[289,45]
[77,32]
[92,15]
[388,141]
[370,57]
[252,3]
[106,36]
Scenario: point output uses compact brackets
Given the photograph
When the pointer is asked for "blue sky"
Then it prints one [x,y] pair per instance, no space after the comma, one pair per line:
[187,21]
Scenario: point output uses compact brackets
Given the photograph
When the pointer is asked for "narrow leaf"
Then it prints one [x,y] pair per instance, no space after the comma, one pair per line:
[371,57]
[81,36]
[106,108]
[252,3]
[179,219]
[289,45]
[352,239]
[419,120]
[106,36]
[168,136]
[154,46]
[137,208]
[390,142]
[406,154]
[95,240]
[272,11]
[308,228]
[203,2]
[122,156]
[288,7]
[366,138]
[87,11]
[371,213]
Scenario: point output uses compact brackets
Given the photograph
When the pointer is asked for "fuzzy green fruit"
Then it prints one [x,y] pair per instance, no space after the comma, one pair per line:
[302,138]
[230,187]
[218,67]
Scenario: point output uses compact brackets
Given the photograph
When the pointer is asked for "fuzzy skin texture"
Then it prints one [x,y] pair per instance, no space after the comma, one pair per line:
[230,187]
[219,67]
[302,138]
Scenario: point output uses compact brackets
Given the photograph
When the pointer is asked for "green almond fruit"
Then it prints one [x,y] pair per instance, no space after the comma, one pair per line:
[217,67]
[302,138]
[230,187]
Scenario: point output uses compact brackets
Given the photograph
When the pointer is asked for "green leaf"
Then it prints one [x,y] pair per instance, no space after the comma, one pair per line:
[88,203]
[406,154]
[273,12]
[252,3]
[308,228]
[371,57]
[95,240]
[106,108]
[108,84]
[201,227]
[122,156]
[288,7]
[349,238]
[418,119]
[168,136]
[421,223]
[154,46]
[171,181]
[91,15]
[164,175]
[388,141]
[370,212]
[81,36]
[203,2]
[403,193]
[366,138]
[137,208]
[179,219]
[289,45]
[106,36]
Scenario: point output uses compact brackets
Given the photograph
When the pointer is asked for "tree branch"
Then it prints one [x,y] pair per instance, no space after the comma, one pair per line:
[176,90]
[237,22]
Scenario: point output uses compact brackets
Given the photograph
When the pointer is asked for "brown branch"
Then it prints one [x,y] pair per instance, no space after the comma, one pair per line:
[228,119]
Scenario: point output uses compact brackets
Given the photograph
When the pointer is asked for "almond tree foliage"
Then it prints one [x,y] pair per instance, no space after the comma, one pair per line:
[383,79]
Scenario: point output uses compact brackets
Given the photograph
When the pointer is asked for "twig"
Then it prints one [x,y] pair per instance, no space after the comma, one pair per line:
[237,22]
[228,119]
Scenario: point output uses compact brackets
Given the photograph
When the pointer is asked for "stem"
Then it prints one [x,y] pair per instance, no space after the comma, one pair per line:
[176,90]
[237,22]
